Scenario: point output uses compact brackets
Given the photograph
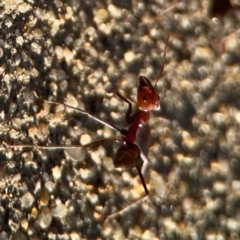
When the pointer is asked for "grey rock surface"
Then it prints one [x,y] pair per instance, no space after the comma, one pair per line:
[80,52]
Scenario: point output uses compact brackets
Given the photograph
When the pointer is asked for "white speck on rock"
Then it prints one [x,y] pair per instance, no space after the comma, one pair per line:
[3,235]
[114,11]
[59,51]
[85,174]
[68,54]
[236,185]
[60,211]
[85,139]
[38,187]
[57,173]
[101,16]
[74,236]
[49,185]
[27,200]
[129,57]
[203,54]
[36,48]
[233,224]
[93,199]
[24,7]
[55,27]
[45,218]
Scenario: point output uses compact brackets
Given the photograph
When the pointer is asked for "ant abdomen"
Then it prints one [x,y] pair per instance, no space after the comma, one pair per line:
[127,156]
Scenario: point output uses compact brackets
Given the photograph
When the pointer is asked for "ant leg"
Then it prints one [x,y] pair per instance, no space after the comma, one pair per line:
[129,118]
[87,114]
[121,212]
[145,164]
[91,144]
[142,180]
[164,59]
[167,10]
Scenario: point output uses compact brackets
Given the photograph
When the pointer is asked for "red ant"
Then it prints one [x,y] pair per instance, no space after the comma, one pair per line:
[129,154]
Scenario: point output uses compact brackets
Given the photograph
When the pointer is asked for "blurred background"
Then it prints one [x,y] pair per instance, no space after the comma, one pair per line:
[80,52]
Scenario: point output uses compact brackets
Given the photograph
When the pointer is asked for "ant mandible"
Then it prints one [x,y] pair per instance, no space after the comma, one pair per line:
[128,155]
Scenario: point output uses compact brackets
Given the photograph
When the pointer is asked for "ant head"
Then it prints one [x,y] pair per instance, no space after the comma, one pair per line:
[148,99]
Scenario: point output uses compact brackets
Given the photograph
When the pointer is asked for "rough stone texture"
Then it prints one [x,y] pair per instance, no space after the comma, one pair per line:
[79,52]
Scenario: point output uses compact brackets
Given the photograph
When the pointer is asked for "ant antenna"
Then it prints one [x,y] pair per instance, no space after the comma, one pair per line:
[164,59]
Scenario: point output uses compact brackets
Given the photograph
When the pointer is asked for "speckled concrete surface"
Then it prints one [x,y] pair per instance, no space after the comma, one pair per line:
[79,52]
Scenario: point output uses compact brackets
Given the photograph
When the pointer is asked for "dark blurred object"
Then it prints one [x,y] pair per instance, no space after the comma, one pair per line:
[3,166]
[219,8]
[123,3]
